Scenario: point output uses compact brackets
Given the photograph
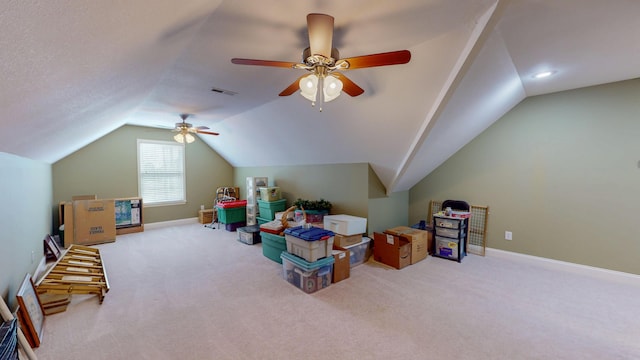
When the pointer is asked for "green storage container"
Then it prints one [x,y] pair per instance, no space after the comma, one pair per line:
[232,215]
[273,245]
[262,220]
[268,209]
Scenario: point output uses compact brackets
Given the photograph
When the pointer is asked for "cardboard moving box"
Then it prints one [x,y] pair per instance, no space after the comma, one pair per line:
[391,250]
[346,240]
[420,241]
[94,222]
[341,264]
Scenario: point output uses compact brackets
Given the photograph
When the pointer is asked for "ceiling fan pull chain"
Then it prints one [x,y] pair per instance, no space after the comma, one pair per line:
[320,92]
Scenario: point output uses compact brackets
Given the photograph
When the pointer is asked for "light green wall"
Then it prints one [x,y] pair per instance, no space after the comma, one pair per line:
[388,212]
[108,168]
[353,189]
[344,185]
[560,171]
[25,219]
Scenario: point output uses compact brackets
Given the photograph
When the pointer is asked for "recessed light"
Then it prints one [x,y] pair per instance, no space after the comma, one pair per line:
[543,74]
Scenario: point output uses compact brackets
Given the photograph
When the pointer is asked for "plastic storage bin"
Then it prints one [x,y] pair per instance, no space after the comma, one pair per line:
[232,215]
[307,276]
[270,193]
[249,234]
[234,226]
[345,224]
[313,216]
[262,220]
[272,246]
[231,204]
[268,209]
[310,244]
[359,253]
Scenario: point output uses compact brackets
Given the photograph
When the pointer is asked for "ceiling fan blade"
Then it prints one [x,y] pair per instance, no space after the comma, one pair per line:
[206,132]
[202,128]
[348,86]
[382,59]
[284,64]
[320,28]
[295,86]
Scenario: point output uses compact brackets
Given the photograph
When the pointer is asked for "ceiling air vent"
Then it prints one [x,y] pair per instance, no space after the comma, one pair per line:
[223,91]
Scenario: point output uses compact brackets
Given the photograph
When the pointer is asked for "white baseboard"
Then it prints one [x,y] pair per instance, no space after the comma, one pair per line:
[567,266]
[161,224]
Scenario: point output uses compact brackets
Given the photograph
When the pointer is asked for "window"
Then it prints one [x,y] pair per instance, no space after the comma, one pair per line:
[161,179]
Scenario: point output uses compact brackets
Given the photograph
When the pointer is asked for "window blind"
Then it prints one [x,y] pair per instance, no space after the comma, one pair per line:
[161,178]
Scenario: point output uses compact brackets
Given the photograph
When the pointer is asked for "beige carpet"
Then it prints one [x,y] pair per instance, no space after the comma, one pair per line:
[190,292]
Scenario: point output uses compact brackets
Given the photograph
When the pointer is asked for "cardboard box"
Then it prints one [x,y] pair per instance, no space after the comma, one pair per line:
[341,264]
[419,241]
[205,216]
[94,222]
[391,250]
[346,240]
[84,197]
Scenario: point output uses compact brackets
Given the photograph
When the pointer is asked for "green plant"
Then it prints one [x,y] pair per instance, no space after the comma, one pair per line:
[318,205]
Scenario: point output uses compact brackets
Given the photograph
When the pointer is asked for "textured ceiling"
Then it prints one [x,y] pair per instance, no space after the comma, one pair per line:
[72,71]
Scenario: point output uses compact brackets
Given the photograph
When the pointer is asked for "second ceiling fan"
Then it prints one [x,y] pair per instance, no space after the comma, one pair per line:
[325,82]
[184,130]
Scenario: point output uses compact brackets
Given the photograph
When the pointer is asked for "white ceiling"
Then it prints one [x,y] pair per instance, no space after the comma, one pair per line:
[73,71]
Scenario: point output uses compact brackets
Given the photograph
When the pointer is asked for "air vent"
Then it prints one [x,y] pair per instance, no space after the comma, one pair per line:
[223,91]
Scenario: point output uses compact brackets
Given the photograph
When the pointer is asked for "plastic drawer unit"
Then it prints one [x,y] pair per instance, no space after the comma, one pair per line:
[451,234]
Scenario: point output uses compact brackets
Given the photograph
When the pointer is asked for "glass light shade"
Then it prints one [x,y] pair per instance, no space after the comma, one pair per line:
[181,138]
[309,87]
[332,88]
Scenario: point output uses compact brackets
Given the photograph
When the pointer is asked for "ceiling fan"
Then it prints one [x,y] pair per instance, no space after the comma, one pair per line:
[323,61]
[184,130]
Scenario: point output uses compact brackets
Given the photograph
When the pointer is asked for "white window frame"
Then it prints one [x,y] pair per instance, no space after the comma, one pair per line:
[150,202]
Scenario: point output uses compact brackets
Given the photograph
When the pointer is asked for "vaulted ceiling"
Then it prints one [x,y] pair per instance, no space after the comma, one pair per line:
[73,71]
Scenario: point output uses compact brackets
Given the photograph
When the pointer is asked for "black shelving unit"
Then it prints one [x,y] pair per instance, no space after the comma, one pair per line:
[450,238]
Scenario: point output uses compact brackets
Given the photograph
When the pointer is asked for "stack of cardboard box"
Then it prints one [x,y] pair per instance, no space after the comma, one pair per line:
[401,246]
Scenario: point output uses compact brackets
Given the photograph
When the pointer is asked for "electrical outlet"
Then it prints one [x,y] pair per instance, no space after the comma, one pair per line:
[508,235]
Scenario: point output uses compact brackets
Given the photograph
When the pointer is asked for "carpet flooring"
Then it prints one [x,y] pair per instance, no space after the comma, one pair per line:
[191,292]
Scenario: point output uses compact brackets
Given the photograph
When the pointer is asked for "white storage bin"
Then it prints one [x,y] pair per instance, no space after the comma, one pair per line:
[309,250]
[345,224]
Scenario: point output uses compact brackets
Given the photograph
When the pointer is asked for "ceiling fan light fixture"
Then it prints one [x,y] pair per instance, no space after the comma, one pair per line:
[181,138]
[332,88]
[309,87]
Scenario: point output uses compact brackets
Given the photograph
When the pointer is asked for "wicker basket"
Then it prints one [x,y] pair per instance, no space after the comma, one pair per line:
[285,222]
